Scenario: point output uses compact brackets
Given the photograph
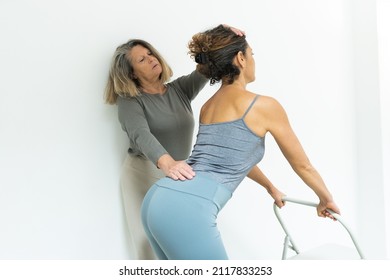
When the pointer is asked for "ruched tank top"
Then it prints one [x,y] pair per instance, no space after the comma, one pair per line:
[227,151]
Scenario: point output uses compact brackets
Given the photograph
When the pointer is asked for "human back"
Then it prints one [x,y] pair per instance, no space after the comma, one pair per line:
[230,103]
[226,148]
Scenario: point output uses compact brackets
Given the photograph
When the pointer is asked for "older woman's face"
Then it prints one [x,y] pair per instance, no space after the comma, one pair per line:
[146,66]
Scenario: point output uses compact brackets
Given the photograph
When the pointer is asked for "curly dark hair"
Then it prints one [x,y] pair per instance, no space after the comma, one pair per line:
[214,51]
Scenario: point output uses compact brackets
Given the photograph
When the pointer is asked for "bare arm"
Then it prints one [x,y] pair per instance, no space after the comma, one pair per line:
[292,149]
[258,176]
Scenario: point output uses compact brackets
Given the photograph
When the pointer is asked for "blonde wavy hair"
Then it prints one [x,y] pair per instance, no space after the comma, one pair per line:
[121,81]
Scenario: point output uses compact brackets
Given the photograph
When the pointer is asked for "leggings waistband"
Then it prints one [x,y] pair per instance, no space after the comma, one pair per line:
[202,186]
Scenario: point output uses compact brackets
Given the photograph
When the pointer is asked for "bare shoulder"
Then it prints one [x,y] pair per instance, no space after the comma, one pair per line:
[268,104]
[268,100]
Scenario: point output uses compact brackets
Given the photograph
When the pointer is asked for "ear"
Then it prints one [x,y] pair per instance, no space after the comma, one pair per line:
[240,59]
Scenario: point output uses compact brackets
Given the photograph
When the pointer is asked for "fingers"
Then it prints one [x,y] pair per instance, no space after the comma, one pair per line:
[235,30]
[280,203]
[325,210]
[181,175]
[278,197]
[326,214]
[181,171]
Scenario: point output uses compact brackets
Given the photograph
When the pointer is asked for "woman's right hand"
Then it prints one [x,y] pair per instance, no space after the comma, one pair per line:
[177,170]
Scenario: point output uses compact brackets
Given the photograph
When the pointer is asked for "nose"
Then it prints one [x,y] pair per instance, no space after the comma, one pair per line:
[150,59]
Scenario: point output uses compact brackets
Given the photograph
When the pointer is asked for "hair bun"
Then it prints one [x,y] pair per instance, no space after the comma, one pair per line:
[202,58]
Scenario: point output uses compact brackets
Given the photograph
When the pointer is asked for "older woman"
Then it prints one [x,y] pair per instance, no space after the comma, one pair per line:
[157,117]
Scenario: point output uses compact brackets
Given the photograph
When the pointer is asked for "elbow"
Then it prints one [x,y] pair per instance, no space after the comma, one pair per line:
[303,168]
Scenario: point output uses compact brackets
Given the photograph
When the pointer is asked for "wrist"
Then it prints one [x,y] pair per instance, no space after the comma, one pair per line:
[325,197]
[270,189]
[164,161]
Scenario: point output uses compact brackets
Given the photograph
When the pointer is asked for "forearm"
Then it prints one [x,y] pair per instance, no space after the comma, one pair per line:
[165,161]
[313,180]
[148,145]
[259,177]
[133,121]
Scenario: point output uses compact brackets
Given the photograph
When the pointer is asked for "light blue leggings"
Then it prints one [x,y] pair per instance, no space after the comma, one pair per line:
[179,218]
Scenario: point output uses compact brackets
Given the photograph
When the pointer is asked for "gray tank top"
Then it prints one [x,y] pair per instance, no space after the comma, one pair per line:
[227,151]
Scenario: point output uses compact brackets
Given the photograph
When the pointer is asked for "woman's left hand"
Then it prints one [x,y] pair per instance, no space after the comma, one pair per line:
[278,197]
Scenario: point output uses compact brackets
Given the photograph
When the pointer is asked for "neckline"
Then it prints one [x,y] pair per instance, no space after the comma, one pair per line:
[233,121]
[225,122]
[241,118]
[157,94]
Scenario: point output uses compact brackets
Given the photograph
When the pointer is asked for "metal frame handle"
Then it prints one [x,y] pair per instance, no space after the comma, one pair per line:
[288,238]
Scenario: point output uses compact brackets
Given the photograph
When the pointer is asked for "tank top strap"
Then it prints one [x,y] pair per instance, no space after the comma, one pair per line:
[250,106]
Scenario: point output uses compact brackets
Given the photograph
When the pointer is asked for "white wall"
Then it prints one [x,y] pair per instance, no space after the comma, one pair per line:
[369,130]
[383,9]
[61,147]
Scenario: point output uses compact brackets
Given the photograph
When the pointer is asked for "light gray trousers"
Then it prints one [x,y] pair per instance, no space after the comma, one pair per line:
[137,176]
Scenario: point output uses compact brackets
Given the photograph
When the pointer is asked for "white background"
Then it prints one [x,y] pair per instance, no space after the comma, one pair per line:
[61,147]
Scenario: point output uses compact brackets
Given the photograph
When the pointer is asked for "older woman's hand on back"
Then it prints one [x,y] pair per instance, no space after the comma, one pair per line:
[177,170]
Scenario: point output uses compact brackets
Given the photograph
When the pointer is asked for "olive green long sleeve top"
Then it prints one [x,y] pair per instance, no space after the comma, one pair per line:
[157,124]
